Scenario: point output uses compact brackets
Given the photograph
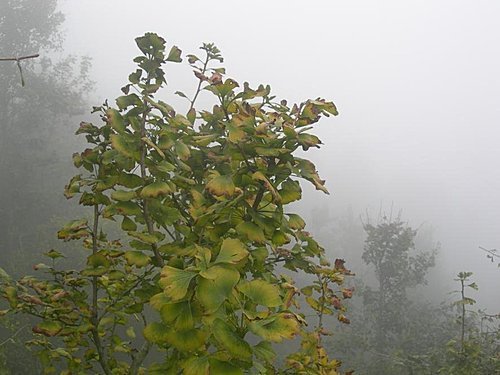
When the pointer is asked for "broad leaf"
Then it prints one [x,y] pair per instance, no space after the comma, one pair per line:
[175,282]
[215,286]
[277,328]
[231,341]
[261,292]
[252,231]
[232,251]
[137,258]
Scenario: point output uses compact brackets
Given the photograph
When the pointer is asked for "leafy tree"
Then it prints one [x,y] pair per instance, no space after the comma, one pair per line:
[390,249]
[200,200]
[390,332]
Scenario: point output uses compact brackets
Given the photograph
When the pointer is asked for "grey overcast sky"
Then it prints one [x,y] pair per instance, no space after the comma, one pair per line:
[417,84]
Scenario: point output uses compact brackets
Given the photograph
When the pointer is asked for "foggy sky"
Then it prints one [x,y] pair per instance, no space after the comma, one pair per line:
[417,84]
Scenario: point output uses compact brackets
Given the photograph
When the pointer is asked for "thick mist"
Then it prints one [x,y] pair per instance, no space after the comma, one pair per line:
[416,84]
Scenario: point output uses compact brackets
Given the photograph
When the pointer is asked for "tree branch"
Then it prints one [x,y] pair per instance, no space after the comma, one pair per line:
[19,58]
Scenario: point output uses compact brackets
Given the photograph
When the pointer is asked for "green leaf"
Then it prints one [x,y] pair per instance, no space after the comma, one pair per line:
[147,237]
[156,332]
[127,208]
[230,341]
[128,224]
[156,189]
[277,328]
[125,101]
[165,167]
[308,140]
[218,367]
[187,340]
[151,44]
[123,195]
[215,286]
[267,151]
[137,258]
[179,313]
[182,150]
[97,265]
[175,282]
[290,191]
[174,55]
[252,231]
[261,292]
[232,251]
[196,366]
[221,186]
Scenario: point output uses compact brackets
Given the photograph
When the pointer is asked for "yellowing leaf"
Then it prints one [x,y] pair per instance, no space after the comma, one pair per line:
[175,282]
[232,251]
[277,328]
[182,150]
[252,231]
[125,144]
[156,189]
[235,134]
[187,340]
[221,186]
[261,292]
[156,333]
[150,143]
[123,195]
[137,258]
[296,222]
[115,119]
[259,176]
[159,300]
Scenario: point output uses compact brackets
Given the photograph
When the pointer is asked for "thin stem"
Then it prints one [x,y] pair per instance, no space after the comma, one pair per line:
[462,339]
[94,317]
[198,89]
[322,306]
[145,203]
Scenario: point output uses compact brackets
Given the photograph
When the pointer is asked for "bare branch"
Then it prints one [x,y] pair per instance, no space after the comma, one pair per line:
[19,58]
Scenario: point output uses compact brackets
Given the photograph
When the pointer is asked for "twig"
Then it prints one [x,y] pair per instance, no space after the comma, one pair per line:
[17,60]
[11,338]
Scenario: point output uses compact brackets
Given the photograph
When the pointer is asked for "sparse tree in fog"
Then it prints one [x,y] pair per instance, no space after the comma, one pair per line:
[34,122]
[390,249]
